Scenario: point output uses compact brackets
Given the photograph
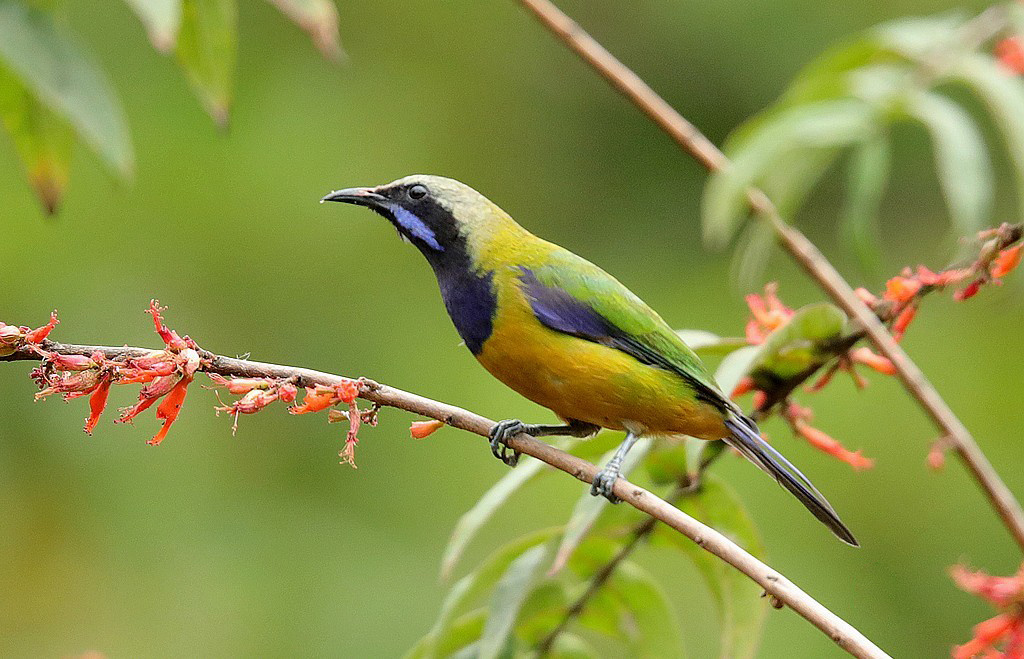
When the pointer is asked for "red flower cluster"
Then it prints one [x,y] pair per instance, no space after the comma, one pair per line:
[903,293]
[165,373]
[1006,628]
[767,314]
[256,393]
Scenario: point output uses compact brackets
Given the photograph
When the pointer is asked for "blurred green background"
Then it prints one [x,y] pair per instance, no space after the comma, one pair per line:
[261,544]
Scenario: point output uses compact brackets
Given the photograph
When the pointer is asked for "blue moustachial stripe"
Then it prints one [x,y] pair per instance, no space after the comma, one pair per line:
[416,227]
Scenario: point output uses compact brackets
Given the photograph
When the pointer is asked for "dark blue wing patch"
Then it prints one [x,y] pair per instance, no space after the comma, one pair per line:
[557,309]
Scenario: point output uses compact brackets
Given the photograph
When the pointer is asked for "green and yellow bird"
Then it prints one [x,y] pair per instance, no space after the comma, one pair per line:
[567,335]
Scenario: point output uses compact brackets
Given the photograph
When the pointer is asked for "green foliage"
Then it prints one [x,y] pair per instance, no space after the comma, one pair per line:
[799,346]
[741,608]
[53,91]
[525,605]
[62,76]
[848,99]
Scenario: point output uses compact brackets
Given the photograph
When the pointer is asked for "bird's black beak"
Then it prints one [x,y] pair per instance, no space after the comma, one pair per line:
[359,196]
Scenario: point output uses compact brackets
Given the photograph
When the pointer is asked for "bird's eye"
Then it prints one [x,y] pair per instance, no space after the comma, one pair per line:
[417,192]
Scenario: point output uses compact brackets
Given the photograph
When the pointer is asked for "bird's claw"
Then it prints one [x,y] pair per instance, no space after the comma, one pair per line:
[604,483]
[500,434]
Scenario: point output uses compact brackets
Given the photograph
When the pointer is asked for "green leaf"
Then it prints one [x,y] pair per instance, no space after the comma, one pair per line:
[798,346]
[484,508]
[706,343]
[868,173]
[162,19]
[474,585]
[734,367]
[66,78]
[923,38]
[207,50]
[961,159]
[570,646]
[508,597]
[42,140]
[317,17]
[1003,94]
[462,637]
[791,133]
[741,608]
[653,625]
[589,507]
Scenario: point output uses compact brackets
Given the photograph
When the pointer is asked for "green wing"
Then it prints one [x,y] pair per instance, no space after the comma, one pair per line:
[574,296]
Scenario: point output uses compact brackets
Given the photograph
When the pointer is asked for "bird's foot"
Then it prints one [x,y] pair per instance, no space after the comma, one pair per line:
[500,434]
[604,482]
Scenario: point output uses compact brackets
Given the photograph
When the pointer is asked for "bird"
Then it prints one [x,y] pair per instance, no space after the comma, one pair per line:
[567,335]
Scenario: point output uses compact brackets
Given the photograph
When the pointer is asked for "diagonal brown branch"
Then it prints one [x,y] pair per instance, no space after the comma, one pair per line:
[691,140]
[840,631]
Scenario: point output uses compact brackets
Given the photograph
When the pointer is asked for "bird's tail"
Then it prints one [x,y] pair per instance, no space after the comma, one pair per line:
[746,439]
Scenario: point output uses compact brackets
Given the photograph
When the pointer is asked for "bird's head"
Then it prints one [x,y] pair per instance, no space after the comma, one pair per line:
[436,214]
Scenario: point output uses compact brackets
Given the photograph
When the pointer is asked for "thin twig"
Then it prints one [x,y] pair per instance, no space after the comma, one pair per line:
[800,248]
[840,631]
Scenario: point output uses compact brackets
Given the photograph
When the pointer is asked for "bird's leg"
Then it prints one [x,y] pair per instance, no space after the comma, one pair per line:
[605,479]
[505,430]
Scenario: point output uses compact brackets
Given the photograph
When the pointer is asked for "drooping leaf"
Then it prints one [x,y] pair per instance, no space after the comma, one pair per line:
[1003,95]
[463,636]
[207,50]
[473,586]
[509,595]
[589,508]
[485,507]
[961,159]
[734,367]
[652,625]
[320,19]
[42,140]
[64,77]
[868,173]
[798,346]
[793,133]
[920,37]
[162,19]
[741,608]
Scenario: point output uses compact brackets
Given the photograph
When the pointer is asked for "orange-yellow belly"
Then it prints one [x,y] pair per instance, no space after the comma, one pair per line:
[579,379]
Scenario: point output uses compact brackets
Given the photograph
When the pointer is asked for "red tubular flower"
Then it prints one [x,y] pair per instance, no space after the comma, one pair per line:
[38,334]
[355,419]
[1010,53]
[169,408]
[902,288]
[866,296]
[874,361]
[347,391]
[315,401]
[170,338]
[767,312]
[743,386]
[1007,595]
[147,396]
[899,326]
[97,403]
[831,446]
[969,291]
[424,429]
[287,392]
[1006,261]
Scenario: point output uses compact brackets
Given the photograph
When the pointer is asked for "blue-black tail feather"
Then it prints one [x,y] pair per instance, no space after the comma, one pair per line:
[746,439]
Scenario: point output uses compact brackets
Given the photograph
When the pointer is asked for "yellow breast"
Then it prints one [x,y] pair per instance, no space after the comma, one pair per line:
[580,379]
